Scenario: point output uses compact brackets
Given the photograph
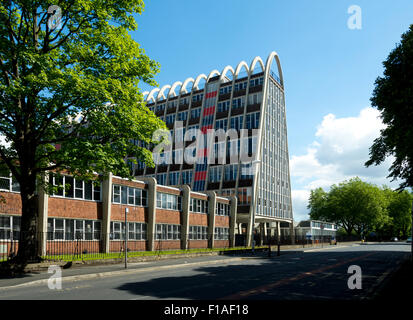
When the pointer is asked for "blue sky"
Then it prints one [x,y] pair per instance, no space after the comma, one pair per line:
[329,69]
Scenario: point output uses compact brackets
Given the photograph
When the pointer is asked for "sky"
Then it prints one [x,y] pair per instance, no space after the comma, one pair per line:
[330,54]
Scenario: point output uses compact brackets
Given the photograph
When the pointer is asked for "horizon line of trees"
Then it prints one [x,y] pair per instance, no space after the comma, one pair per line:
[364,209]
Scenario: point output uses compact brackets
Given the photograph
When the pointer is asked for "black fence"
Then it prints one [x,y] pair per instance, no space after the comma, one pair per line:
[83,246]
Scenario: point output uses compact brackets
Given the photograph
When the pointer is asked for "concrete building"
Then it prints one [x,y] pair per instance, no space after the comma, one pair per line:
[159,217]
[251,162]
[312,230]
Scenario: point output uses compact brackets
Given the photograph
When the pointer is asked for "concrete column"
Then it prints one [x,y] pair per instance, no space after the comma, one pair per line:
[262,233]
[186,198]
[292,232]
[250,229]
[43,208]
[212,201]
[233,221]
[106,211]
[151,212]
[278,230]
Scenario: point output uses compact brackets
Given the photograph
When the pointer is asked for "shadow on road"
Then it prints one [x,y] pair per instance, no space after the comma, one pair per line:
[298,276]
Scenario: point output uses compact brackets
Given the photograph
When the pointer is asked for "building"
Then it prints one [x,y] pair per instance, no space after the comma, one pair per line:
[159,217]
[229,135]
[313,230]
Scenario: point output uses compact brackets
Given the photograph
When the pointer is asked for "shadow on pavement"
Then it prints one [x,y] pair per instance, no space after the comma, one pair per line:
[299,276]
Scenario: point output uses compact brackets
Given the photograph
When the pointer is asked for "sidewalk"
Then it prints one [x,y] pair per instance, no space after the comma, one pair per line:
[89,271]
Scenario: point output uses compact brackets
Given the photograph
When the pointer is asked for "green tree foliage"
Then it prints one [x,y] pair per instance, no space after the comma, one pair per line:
[69,96]
[361,207]
[393,97]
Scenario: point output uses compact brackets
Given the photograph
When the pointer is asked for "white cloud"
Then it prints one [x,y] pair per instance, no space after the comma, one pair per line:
[340,149]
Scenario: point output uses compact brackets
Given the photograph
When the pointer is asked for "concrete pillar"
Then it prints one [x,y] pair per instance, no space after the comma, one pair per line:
[262,228]
[292,232]
[250,228]
[106,211]
[186,198]
[43,208]
[278,230]
[212,201]
[233,221]
[151,232]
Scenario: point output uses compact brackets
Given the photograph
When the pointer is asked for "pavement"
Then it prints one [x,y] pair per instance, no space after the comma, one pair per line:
[79,272]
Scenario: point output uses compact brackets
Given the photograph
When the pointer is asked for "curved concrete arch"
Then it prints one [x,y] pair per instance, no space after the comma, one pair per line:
[177,83]
[224,72]
[145,95]
[239,67]
[186,83]
[161,92]
[150,95]
[196,82]
[212,73]
[273,55]
[254,62]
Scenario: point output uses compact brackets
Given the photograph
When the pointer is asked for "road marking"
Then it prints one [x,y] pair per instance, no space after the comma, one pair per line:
[265,288]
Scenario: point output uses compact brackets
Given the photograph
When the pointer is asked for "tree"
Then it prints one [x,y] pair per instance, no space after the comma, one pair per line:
[354,205]
[69,96]
[399,208]
[393,97]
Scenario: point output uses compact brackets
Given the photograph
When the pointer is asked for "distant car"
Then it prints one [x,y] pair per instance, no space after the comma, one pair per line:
[394,239]
[409,240]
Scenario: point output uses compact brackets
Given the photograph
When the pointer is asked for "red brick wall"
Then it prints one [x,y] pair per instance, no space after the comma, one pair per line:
[221,243]
[71,208]
[167,245]
[12,205]
[222,221]
[198,219]
[118,246]
[167,190]
[168,216]
[198,244]
[136,214]
[128,183]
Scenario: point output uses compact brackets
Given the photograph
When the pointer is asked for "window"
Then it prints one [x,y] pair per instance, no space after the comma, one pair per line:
[215,174]
[197,97]
[222,209]
[221,233]
[256,82]
[230,172]
[168,201]
[187,177]
[136,230]
[223,106]
[240,86]
[198,206]
[238,103]
[8,183]
[236,122]
[221,124]
[161,178]
[10,227]
[174,178]
[252,120]
[225,90]
[129,195]
[244,195]
[182,116]
[168,232]
[170,118]
[195,113]
[254,98]
[69,187]
[73,229]
[160,107]
[198,233]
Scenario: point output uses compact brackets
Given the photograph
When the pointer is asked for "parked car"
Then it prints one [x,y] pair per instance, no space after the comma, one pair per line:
[394,239]
[409,240]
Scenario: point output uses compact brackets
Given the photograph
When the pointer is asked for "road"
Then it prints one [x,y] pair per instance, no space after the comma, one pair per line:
[315,274]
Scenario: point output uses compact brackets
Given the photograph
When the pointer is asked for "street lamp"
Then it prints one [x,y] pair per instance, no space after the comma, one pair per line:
[126,237]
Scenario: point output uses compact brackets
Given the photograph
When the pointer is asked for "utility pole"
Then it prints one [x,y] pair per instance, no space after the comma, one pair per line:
[126,237]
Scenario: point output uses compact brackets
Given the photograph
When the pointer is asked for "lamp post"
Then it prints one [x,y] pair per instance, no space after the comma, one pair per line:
[126,237]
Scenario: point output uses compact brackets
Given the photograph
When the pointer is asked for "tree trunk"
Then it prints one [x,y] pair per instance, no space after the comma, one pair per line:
[28,242]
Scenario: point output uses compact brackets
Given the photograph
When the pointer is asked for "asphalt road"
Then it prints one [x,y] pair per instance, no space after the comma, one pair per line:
[315,274]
